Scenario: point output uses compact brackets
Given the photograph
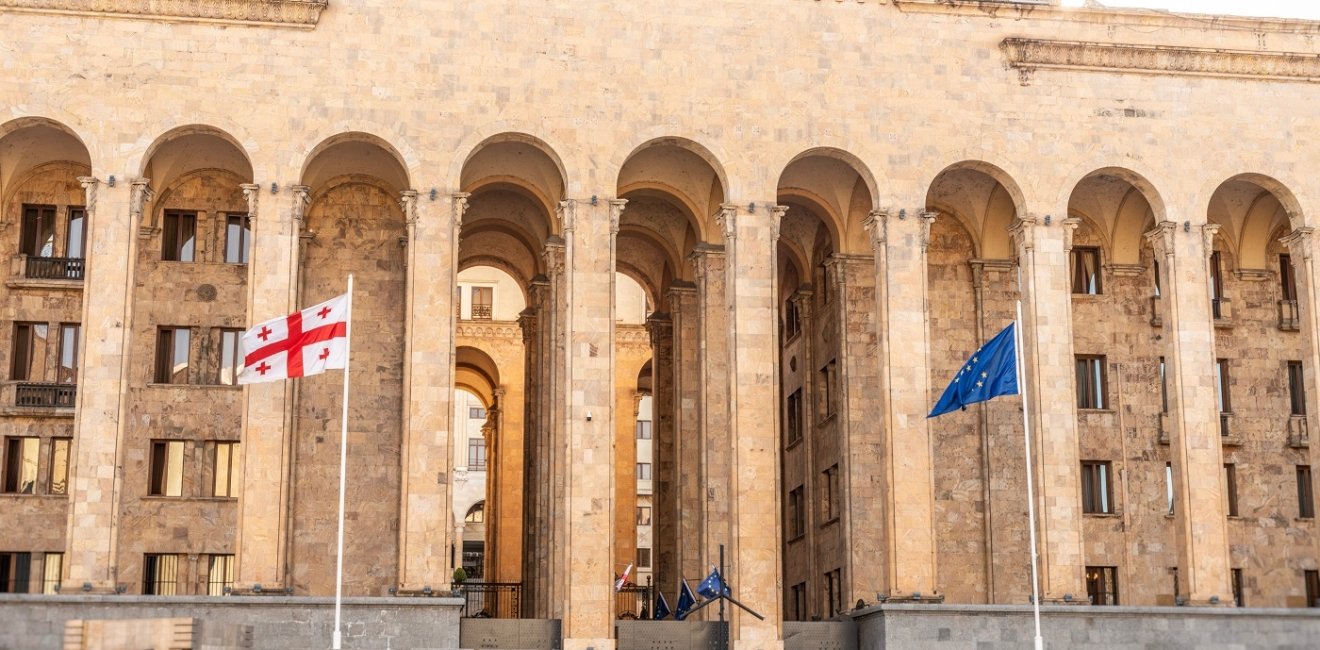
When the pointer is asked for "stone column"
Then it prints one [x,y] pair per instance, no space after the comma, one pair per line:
[1200,522]
[899,242]
[714,442]
[534,485]
[755,568]
[1052,385]
[262,541]
[589,412]
[1301,249]
[113,214]
[553,445]
[862,466]
[684,504]
[426,506]
[665,541]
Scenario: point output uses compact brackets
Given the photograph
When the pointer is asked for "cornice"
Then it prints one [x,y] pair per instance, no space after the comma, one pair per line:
[1108,16]
[302,14]
[1029,54]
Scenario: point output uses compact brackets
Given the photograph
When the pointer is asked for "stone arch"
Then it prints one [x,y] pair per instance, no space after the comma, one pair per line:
[840,186]
[1250,209]
[476,372]
[356,152]
[30,143]
[211,146]
[519,163]
[1121,205]
[984,198]
[681,172]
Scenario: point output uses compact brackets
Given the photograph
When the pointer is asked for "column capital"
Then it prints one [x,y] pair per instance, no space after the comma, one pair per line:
[700,255]
[251,191]
[1069,229]
[527,323]
[727,219]
[1299,243]
[925,219]
[1023,232]
[616,211]
[877,225]
[1161,238]
[302,197]
[458,203]
[777,213]
[565,211]
[554,258]
[140,193]
[1208,232]
[408,202]
[89,184]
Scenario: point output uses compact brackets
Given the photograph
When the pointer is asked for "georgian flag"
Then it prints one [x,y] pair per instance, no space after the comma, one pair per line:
[302,344]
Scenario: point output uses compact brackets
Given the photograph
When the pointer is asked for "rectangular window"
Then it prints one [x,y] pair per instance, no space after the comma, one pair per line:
[67,371]
[826,388]
[231,356]
[1287,278]
[476,452]
[37,232]
[798,601]
[1216,286]
[793,417]
[1168,484]
[1230,490]
[172,351]
[1239,595]
[21,465]
[29,360]
[643,558]
[643,515]
[792,320]
[482,300]
[179,238]
[1158,281]
[1097,493]
[59,466]
[1222,396]
[644,429]
[1312,578]
[1164,388]
[829,494]
[238,238]
[797,513]
[166,478]
[1305,495]
[160,575]
[833,592]
[75,239]
[15,573]
[476,413]
[643,471]
[1296,388]
[1091,382]
[227,463]
[52,570]
[1086,270]
[219,574]
[1102,585]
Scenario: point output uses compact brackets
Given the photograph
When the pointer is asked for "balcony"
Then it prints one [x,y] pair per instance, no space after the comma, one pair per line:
[54,268]
[481,312]
[1222,308]
[1298,435]
[1156,312]
[1289,318]
[45,396]
[1164,429]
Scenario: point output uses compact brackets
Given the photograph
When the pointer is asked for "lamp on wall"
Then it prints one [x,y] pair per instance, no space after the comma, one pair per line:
[110,182]
[434,194]
[274,188]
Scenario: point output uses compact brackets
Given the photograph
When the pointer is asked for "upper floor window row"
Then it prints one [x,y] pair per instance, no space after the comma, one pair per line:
[179,237]
[45,232]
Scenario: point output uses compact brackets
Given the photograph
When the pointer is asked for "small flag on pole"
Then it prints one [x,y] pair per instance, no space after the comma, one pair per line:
[623,579]
[686,600]
[713,585]
[301,344]
[991,372]
[661,606]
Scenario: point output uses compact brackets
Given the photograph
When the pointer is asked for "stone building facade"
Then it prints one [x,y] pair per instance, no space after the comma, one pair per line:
[829,206]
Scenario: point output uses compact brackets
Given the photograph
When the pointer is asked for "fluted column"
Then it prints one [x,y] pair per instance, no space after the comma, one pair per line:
[755,568]
[426,527]
[664,522]
[899,243]
[683,504]
[1051,380]
[714,441]
[1200,523]
[263,530]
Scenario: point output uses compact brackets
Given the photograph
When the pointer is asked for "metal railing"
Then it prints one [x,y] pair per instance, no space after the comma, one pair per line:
[1223,424]
[1156,312]
[55,268]
[481,312]
[490,599]
[45,395]
[634,602]
[1289,318]
[1298,433]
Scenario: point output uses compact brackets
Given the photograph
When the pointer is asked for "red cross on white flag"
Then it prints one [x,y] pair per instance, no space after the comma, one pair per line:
[302,344]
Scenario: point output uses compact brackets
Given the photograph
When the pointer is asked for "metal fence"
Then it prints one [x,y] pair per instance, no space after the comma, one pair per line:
[45,395]
[634,602]
[55,268]
[490,599]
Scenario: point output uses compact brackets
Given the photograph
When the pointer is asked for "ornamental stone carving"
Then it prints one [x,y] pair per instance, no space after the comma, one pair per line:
[1028,54]
[282,13]
[251,191]
[302,197]
[89,190]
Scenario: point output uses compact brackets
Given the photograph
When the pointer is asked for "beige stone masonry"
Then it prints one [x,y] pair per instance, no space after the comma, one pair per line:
[1196,447]
[1050,380]
[711,464]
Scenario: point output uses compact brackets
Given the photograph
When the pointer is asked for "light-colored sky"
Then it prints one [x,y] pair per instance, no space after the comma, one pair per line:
[1271,8]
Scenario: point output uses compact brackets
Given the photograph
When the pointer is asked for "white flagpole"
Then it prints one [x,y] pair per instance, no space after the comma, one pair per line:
[1031,491]
[336,637]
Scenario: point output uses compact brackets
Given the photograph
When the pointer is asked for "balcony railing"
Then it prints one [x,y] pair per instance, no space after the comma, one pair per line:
[1298,435]
[45,395]
[634,601]
[1289,318]
[1223,424]
[1156,312]
[1164,429]
[480,312]
[55,268]
[490,599]
[1223,311]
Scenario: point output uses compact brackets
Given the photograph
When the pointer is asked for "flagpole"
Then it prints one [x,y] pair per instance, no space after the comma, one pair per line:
[1031,491]
[336,638]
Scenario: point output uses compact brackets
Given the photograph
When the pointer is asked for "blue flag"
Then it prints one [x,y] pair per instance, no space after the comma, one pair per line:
[661,607]
[713,585]
[991,372]
[686,600]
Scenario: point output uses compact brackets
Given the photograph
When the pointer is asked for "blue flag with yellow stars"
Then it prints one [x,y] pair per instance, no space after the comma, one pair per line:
[991,372]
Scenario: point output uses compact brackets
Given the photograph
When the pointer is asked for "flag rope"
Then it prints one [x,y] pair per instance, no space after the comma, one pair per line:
[1031,491]
[336,638]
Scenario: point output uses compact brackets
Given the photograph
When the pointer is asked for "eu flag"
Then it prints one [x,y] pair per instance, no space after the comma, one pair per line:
[686,600]
[991,372]
[713,585]
[661,607]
